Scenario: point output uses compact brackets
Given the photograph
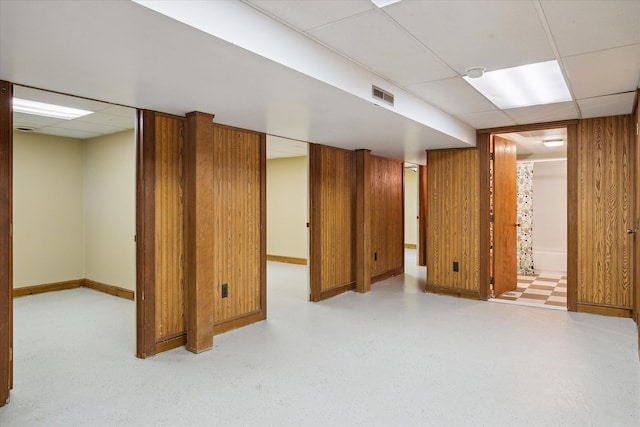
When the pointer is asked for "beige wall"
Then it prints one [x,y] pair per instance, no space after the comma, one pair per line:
[110,209]
[48,209]
[287,207]
[74,209]
[410,207]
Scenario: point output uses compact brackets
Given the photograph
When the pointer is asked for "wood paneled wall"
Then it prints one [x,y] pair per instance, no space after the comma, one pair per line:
[604,213]
[160,223]
[636,225]
[6,239]
[239,224]
[332,182]
[453,200]
[387,217]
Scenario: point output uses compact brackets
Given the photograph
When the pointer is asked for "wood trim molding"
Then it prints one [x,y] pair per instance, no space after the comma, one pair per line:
[238,322]
[263,227]
[337,291]
[449,291]
[287,259]
[145,234]
[572,217]
[315,236]
[529,127]
[422,215]
[171,343]
[483,142]
[603,310]
[363,221]
[6,240]
[387,274]
[116,291]
[47,287]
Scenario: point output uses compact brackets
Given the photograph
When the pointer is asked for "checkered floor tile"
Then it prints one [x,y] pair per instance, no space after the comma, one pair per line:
[545,290]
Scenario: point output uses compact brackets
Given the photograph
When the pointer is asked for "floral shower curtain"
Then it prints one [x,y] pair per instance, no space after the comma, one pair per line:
[525,217]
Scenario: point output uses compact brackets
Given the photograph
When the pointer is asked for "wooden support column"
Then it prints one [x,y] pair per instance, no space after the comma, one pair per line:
[199,275]
[363,220]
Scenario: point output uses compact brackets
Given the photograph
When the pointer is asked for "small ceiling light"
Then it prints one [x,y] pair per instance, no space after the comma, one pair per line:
[47,110]
[475,72]
[553,143]
[383,3]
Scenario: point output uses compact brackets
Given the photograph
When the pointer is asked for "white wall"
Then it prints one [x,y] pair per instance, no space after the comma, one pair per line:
[48,209]
[550,217]
[74,209]
[287,207]
[410,207]
[110,209]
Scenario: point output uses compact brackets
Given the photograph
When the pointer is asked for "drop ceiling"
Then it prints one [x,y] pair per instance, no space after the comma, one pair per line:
[127,54]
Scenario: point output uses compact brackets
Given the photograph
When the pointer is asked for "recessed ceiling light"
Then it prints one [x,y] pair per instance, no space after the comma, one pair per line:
[47,110]
[553,143]
[532,84]
[383,3]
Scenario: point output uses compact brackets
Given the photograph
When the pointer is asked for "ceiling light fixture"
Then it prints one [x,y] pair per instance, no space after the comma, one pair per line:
[47,110]
[383,3]
[523,86]
[475,72]
[553,143]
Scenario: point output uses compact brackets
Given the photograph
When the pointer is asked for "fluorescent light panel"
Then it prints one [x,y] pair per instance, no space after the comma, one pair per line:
[383,3]
[47,110]
[532,84]
[553,143]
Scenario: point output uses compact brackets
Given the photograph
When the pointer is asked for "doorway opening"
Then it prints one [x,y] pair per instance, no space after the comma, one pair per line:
[287,219]
[529,218]
[73,214]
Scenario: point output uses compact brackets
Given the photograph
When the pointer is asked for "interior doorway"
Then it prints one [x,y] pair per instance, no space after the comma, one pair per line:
[287,219]
[529,218]
[73,206]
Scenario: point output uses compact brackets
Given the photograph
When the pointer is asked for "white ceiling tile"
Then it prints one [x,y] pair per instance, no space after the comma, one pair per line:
[454,96]
[35,121]
[376,42]
[585,26]
[611,105]
[309,14]
[109,120]
[89,127]
[477,33]
[70,133]
[543,113]
[487,119]
[605,72]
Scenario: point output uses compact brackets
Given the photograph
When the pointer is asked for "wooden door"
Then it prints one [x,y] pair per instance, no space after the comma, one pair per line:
[6,264]
[505,215]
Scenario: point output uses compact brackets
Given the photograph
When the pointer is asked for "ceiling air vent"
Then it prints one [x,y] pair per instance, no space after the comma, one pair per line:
[382,95]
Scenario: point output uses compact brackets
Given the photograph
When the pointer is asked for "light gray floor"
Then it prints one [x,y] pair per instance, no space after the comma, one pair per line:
[394,356]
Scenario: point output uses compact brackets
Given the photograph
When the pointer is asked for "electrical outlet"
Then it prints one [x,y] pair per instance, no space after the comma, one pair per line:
[225,290]
[456,267]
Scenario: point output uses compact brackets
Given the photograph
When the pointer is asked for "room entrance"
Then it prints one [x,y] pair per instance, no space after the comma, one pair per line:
[528,224]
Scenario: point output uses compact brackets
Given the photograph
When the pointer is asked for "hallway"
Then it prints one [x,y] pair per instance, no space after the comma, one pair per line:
[395,356]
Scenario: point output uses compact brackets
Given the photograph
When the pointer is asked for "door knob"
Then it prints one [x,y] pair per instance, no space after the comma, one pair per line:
[632,231]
